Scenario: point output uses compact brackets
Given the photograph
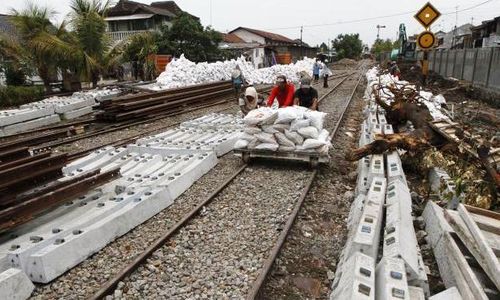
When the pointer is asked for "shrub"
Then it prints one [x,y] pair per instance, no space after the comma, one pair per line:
[14,76]
[18,95]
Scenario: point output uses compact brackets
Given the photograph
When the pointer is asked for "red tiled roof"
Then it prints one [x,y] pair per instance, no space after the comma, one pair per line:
[231,38]
[267,35]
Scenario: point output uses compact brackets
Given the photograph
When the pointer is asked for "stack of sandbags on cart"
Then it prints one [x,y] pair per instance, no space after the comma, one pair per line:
[213,132]
[380,260]
[289,129]
[67,107]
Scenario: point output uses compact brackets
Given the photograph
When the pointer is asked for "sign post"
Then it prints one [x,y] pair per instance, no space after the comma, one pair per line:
[426,40]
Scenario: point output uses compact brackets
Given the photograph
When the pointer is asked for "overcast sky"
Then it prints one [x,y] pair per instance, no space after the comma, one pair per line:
[322,19]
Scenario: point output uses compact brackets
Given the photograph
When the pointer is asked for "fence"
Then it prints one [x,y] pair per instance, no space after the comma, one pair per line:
[481,66]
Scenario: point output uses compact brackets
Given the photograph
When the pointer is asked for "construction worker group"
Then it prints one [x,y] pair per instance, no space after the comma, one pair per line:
[284,91]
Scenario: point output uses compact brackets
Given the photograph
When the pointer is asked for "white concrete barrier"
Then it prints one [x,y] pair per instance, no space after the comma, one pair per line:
[391,279]
[13,116]
[28,125]
[376,168]
[395,167]
[15,285]
[73,114]
[356,280]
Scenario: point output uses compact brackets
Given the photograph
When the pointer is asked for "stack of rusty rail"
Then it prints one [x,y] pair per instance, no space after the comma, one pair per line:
[145,105]
[30,184]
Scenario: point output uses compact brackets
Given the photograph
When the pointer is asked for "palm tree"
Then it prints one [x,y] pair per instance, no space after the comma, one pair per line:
[90,31]
[138,48]
[37,42]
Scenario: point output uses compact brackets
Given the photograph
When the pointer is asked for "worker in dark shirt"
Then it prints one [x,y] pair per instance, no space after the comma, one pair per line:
[306,95]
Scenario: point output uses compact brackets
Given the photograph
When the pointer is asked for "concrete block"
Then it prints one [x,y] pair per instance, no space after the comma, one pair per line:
[375,131]
[13,116]
[372,119]
[55,259]
[92,157]
[416,293]
[355,212]
[441,183]
[387,129]
[399,203]
[72,104]
[451,293]
[381,118]
[376,168]
[215,121]
[362,184]
[77,113]
[435,223]
[99,162]
[366,239]
[400,241]
[395,167]
[15,285]
[356,280]
[28,125]
[390,279]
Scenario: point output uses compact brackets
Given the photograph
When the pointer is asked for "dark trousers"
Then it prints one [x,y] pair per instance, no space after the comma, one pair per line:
[325,81]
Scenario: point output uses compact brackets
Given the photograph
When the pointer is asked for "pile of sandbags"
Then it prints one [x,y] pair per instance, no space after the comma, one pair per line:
[289,129]
[183,72]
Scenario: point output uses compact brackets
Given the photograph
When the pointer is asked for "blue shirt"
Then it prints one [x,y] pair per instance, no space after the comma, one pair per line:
[316,69]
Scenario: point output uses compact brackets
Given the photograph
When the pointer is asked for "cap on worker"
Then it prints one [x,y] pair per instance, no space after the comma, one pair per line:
[305,83]
[280,78]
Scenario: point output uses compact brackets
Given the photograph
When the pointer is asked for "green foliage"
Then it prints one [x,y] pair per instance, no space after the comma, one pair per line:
[187,36]
[380,46]
[138,48]
[348,46]
[14,75]
[323,48]
[17,95]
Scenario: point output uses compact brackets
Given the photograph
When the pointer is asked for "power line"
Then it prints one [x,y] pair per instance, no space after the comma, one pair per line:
[376,18]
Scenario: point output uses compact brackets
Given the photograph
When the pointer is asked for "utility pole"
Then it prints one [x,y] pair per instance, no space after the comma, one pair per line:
[378,30]
[301,48]
[210,13]
[455,28]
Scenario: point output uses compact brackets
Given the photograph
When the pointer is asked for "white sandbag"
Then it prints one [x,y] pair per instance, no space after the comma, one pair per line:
[253,143]
[286,149]
[309,132]
[247,137]
[241,144]
[261,116]
[267,146]
[283,140]
[286,115]
[312,144]
[294,137]
[266,138]
[281,127]
[269,129]
[297,124]
[252,130]
[324,135]
[317,118]
[323,150]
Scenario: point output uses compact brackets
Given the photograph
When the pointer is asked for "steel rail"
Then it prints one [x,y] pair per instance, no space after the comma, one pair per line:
[258,283]
[111,284]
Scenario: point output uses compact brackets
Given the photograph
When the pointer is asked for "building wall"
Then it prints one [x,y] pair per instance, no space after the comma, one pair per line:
[249,37]
[480,66]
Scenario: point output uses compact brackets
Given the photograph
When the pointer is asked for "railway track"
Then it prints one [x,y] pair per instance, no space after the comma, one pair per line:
[233,199]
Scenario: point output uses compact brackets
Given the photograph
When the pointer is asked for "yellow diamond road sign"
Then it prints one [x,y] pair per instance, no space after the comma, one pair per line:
[427,15]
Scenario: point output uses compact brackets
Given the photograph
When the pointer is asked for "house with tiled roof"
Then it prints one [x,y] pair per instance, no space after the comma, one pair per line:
[276,47]
[127,18]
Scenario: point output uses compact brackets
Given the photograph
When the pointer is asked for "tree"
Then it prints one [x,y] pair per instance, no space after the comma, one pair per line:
[348,46]
[323,48]
[138,49]
[187,36]
[380,46]
[90,32]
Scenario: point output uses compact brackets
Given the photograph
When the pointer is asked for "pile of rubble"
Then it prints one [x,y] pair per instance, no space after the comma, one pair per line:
[154,172]
[182,72]
[290,129]
[397,270]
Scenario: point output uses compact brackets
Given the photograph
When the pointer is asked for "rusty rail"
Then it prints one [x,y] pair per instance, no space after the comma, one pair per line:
[28,209]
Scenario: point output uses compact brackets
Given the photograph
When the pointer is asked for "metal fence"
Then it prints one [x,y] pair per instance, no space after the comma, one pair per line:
[481,66]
